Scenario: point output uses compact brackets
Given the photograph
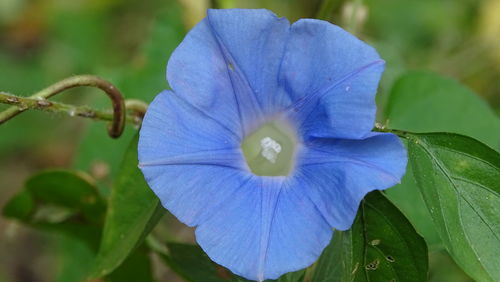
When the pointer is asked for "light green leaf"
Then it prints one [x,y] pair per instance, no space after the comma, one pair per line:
[459,180]
[381,245]
[425,102]
[133,211]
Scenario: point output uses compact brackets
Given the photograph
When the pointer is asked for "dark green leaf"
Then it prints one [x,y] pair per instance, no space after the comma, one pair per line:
[459,179]
[21,206]
[60,201]
[137,267]
[87,233]
[425,102]
[296,276]
[192,264]
[68,190]
[133,211]
[381,245]
[54,196]
[74,259]
[69,204]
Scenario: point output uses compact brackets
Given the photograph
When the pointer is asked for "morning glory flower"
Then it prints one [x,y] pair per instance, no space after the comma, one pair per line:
[264,143]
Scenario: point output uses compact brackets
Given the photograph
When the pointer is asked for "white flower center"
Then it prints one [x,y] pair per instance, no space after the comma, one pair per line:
[270,149]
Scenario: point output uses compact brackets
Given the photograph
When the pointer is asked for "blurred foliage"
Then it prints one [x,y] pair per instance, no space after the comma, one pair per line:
[60,201]
[129,42]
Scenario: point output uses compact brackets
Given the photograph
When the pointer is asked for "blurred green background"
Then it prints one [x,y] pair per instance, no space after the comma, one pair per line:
[129,42]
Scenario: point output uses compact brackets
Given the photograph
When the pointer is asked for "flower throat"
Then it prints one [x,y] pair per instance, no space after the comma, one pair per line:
[270,149]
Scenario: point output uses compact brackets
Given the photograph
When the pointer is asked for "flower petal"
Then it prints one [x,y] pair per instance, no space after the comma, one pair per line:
[266,230]
[299,233]
[231,72]
[232,236]
[228,65]
[339,173]
[193,193]
[332,77]
[173,132]
[186,156]
[254,42]
[197,72]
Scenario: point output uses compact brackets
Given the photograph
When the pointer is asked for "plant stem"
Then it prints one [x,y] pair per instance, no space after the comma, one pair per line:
[24,103]
[137,106]
[382,128]
[39,101]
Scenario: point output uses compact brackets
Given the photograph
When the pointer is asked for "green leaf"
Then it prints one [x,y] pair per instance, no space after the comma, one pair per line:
[65,202]
[53,196]
[297,276]
[137,267]
[60,201]
[192,264]
[74,259]
[86,233]
[444,269]
[70,190]
[63,189]
[21,206]
[425,102]
[381,245]
[459,180]
[133,211]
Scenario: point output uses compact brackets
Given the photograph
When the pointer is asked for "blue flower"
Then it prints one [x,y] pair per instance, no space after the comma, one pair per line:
[265,144]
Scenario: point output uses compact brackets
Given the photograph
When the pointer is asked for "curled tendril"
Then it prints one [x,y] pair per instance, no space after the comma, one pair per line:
[119,117]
